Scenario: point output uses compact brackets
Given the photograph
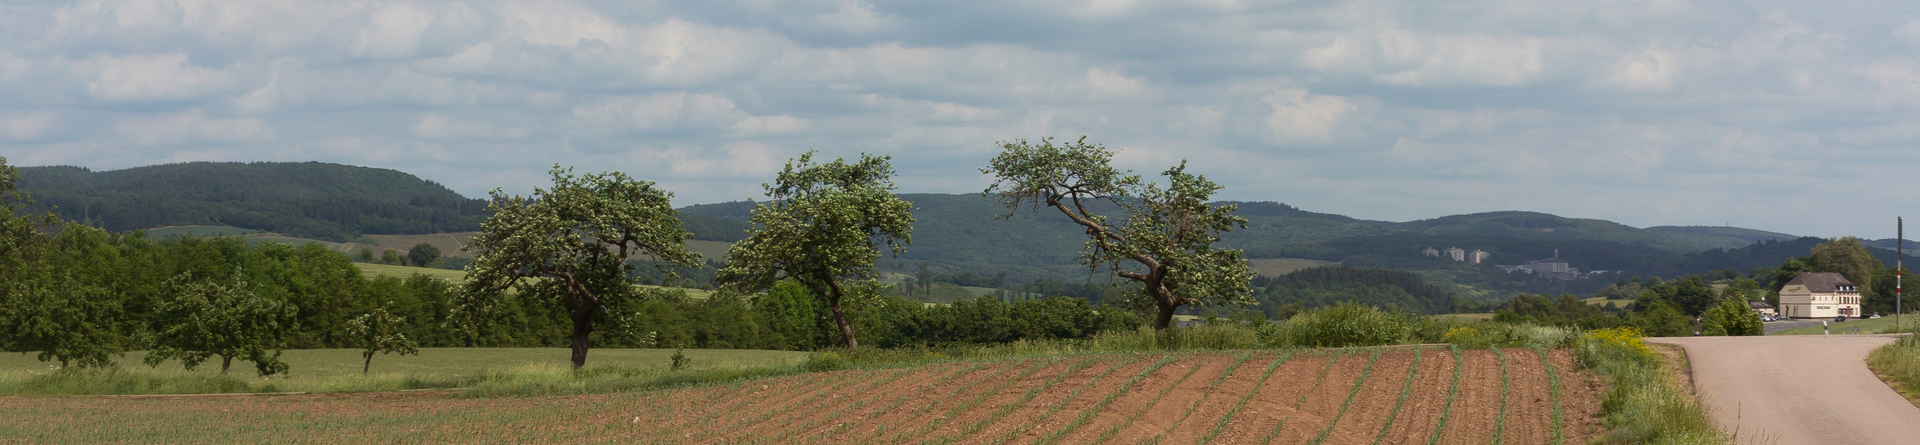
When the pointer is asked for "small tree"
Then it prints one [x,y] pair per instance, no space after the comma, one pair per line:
[202,319]
[423,254]
[379,332]
[823,227]
[1732,317]
[571,244]
[392,257]
[1166,241]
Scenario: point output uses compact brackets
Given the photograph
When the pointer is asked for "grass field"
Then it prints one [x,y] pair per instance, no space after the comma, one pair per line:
[1866,325]
[327,370]
[1603,302]
[197,231]
[1390,396]
[371,270]
[1274,267]
[1463,317]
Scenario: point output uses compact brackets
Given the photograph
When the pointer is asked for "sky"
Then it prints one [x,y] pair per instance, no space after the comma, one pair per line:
[1791,116]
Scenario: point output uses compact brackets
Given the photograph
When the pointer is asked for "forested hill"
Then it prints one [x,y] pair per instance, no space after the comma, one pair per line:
[332,202]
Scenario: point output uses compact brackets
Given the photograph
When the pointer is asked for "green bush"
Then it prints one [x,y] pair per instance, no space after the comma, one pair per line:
[825,361]
[1344,325]
[1641,405]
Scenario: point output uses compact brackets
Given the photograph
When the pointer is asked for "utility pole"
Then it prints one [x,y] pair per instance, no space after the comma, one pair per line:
[1899,251]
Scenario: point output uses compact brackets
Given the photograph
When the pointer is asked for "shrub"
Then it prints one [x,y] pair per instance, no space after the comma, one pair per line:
[1641,405]
[1343,325]
[825,361]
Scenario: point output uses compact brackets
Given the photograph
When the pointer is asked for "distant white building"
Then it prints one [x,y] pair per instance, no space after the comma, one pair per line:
[1456,253]
[1432,252]
[1478,256]
[1819,295]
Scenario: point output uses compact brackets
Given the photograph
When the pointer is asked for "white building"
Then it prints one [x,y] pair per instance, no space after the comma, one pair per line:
[1478,256]
[1819,295]
[1456,254]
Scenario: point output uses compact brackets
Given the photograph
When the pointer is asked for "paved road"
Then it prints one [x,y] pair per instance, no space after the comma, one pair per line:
[1798,389]
[1771,326]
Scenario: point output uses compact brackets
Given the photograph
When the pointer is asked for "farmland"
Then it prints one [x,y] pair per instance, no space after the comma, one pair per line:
[1372,395]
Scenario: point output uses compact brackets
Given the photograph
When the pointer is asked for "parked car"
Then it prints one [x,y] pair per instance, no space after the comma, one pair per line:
[1875,316]
[1840,319]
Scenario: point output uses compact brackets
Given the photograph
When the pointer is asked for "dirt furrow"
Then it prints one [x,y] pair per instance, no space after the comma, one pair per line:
[1471,419]
[830,412]
[1132,400]
[997,405]
[1037,426]
[1366,414]
[843,384]
[1224,397]
[1178,402]
[1319,406]
[1279,398]
[921,409]
[731,402]
[883,398]
[1006,423]
[1421,413]
[1529,400]
[1579,399]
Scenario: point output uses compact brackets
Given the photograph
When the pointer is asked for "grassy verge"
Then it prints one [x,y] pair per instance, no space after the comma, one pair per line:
[1643,404]
[1899,365]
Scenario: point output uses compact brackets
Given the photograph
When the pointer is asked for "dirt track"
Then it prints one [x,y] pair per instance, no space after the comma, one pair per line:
[1743,381]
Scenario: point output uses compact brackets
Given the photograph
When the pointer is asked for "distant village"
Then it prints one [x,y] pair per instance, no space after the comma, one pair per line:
[1549,268]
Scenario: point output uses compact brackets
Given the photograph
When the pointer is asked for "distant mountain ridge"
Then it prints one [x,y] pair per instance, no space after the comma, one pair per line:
[957,232]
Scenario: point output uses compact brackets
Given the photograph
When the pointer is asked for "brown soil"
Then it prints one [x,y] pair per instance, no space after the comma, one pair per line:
[1034,427]
[1015,401]
[1176,403]
[1374,401]
[1222,399]
[1579,399]
[1277,399]
[1137,398]
[1420,414]
[986,404]
[1475,409]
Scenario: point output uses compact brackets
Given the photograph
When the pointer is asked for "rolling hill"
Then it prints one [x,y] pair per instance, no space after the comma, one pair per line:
[353,207]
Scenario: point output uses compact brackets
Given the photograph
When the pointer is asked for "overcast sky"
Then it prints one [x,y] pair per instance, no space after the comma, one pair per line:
[1791,116]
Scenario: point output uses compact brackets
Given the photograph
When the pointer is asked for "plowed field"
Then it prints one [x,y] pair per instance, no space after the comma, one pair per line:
[1366,396]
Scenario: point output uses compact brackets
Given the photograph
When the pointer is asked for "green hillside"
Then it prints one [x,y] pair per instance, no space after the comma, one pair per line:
[309,200]
[331,202]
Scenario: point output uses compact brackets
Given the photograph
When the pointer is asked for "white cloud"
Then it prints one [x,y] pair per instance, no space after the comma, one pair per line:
[28,126]
[1376,109]
[1650,69]
[144,77]
[191,126]
[1103,84]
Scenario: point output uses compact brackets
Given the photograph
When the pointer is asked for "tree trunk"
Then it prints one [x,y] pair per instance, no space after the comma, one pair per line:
[1164,319]
[582,325]
[225,362]
[368,365]
[846,329]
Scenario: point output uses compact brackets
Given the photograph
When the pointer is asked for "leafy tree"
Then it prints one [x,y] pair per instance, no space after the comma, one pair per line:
[1847,257]
[202,319]
[392,257]
[1166,242]
[1788,269]
[1732,317]
[572,244]
[823,227]
[365,255]
[1661,319]
[380,332]
[423,254]
[924,276]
